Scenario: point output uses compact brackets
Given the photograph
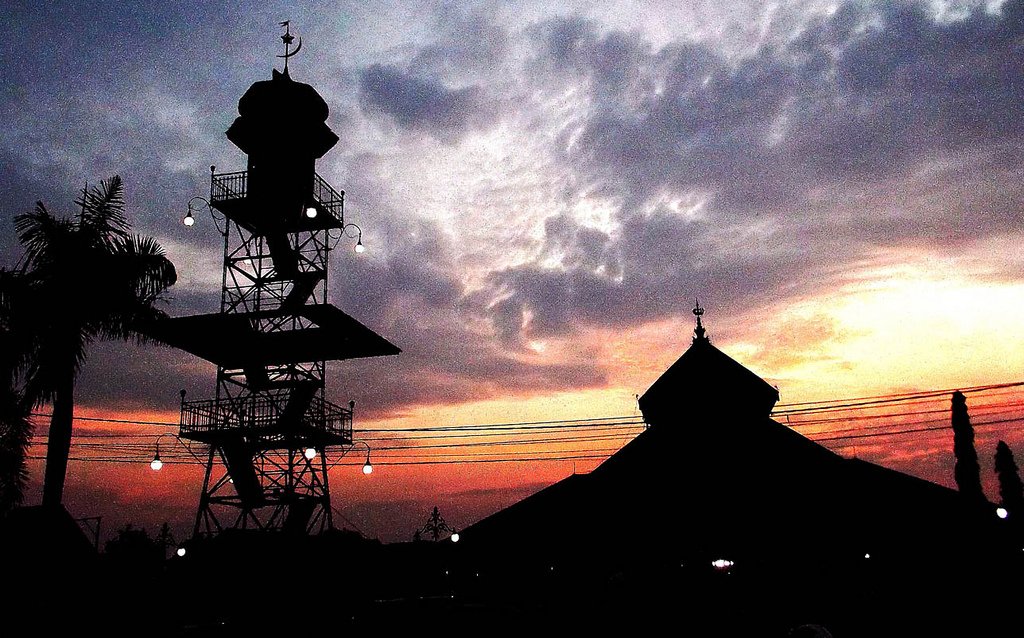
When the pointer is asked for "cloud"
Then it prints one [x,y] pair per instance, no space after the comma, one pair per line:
[811,151]
[418,104]
[562,173]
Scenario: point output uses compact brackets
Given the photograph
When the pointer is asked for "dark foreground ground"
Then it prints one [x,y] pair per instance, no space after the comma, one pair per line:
[342,584]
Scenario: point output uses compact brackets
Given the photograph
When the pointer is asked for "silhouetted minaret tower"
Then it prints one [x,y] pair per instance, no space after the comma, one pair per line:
[270,424]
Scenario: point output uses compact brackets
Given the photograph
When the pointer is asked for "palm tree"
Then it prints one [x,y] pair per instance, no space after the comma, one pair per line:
[81,279]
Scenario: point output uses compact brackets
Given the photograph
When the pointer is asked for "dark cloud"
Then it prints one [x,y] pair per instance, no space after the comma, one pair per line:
[664,265]
[127,376]
[416,302]
[859,94]
[418,104]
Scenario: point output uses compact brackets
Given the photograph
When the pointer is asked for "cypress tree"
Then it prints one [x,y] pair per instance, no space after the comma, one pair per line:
[967,471]
[1011,491]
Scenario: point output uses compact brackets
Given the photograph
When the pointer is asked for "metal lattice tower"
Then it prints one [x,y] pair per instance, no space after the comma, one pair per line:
[275,329]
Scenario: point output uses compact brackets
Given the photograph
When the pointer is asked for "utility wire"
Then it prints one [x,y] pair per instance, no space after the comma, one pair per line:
[118,451]
[514,457]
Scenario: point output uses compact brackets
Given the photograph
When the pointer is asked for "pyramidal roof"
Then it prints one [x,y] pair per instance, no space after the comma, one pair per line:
[715,476]
[707,378]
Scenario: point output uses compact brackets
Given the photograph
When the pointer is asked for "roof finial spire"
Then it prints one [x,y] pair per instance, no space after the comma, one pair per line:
[698,332]
[288,38]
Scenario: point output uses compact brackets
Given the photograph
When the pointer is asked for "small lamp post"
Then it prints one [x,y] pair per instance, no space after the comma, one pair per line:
[156,464]
[367,466]
[359,236]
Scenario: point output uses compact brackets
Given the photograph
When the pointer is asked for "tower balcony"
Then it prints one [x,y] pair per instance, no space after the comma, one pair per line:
[230,193]
[267,422]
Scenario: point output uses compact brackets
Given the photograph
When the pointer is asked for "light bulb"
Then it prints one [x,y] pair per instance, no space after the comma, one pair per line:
[311,212]
[310,453]
[188,220]
[359,246]
[367,468]
[156,464]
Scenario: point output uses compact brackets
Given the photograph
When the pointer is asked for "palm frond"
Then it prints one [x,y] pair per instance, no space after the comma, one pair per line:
[102,218]
[137,273]
[145,263]
[43,236]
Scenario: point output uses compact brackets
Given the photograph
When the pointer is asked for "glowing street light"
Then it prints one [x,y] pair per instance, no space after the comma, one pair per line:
[367,466]
[181,551]
[359,236]
[195,204]
[722,563]
[1001,512]
[455,538]
[311,212]
[157,463]
[310,453]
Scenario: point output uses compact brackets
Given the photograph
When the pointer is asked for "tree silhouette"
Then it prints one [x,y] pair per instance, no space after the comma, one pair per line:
[164,539]
[15,425]
[1011,491]
[967,472]
[15,437]
[81,279]
[133,546]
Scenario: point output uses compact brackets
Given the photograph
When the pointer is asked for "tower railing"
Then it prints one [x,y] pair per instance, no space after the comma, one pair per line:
[332,201]
[229,187]
[260,415]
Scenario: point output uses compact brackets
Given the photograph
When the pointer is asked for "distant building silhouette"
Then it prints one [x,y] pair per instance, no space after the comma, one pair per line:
[714,484]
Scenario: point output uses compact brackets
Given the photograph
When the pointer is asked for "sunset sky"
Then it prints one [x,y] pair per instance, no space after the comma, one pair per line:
[543,189]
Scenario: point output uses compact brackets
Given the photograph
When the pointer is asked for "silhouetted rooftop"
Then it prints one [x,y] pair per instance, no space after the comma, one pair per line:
[707,378]
[279,114]
[715,476]
[231,340]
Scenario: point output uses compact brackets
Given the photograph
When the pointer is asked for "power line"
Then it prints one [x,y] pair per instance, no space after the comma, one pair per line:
[109,420]
[977,388]
[781,409]
[133,447]
[389,463]
[911,431]
[513,457]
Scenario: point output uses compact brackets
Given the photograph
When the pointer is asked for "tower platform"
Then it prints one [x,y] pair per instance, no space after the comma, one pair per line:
[234,340]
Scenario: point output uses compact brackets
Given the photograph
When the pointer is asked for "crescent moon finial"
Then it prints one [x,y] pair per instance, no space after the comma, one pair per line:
[288,38]
[288,55]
